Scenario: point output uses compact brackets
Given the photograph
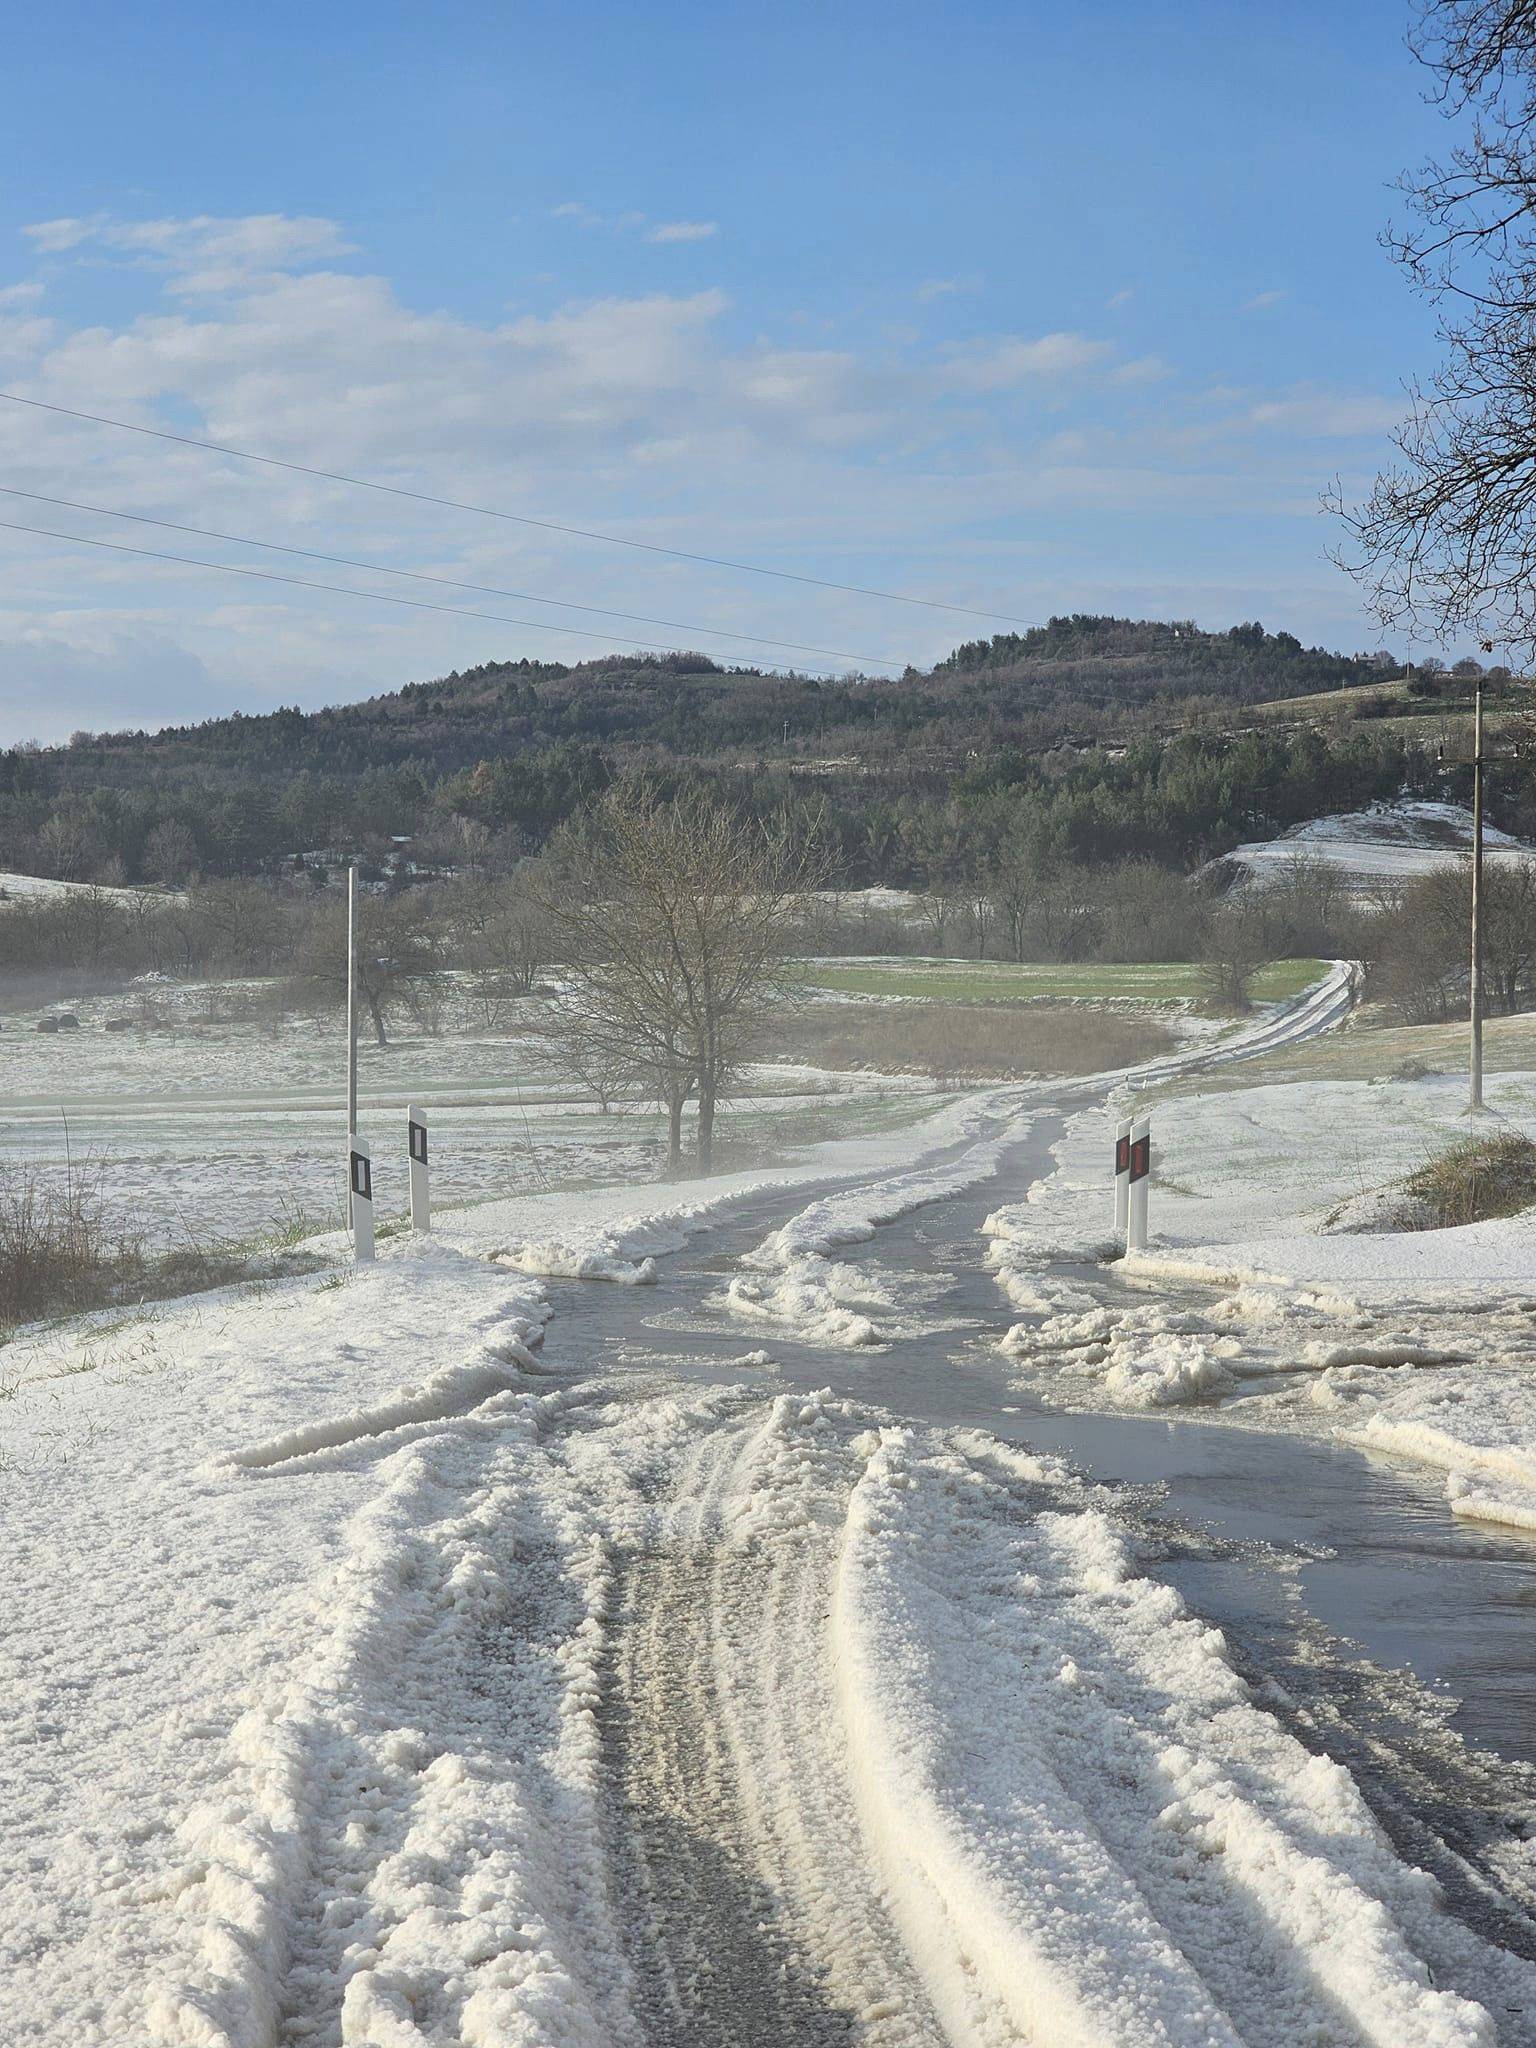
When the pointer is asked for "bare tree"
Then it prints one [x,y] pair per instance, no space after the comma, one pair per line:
[1022,867]
[675,918]
[501,935]
[1415,945]
[1446,540]
[170,853]
[1068,910]
[594,1056]
[398,954]
[1303,904]
[1233,952]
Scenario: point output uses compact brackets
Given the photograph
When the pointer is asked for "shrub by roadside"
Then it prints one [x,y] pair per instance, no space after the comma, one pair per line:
[1476,1181]
[59,1255]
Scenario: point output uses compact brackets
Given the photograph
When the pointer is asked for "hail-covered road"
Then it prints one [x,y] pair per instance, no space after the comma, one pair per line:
[475,1655]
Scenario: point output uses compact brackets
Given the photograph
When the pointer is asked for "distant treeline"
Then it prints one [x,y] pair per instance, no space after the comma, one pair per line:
[1068,724]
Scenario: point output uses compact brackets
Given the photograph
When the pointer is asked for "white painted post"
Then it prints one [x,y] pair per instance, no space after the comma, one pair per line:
[1140,1176]
[360,1188]
[351,1017]
[416,1146]
[1122,1175]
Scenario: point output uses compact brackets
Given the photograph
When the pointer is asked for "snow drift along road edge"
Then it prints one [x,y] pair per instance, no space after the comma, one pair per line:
[1083,1820]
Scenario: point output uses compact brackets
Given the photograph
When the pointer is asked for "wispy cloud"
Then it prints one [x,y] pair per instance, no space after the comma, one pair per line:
[1141,370]
[1261,300]
[643,413]
[947,287]
[1120,298]
[206,252]
[1328,415]
[630,223]
[1010,360]
[682,231]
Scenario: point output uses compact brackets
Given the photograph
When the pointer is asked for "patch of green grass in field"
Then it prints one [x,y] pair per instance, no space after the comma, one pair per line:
[998,981]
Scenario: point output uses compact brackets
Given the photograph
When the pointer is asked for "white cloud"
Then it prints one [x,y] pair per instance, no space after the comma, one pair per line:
[682,231]
[62,674]
[933,289]
[20,294]
[49,237]
[642,415]
[1121,298]
[1261,300]
[1315,415]
[633,222]
[1011,360]
[205,253]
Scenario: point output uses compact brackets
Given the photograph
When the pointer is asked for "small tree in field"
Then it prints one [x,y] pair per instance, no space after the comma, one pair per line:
[499,935]
[1232,954]
[673,918]
[398,955]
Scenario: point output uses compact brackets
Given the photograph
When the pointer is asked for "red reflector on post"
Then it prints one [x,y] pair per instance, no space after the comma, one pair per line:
[1122,1154]
[1141,1158]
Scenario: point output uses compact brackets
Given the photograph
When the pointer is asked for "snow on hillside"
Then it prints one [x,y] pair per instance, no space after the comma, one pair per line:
[23,886]
[1388,842]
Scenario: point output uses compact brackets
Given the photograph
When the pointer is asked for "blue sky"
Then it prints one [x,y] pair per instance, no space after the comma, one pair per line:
[1028,308]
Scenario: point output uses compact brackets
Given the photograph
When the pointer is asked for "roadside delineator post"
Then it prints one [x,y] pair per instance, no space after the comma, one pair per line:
[360,1188]
[351,1017]
[1122,1176]
[1139,1176]
[416,1146]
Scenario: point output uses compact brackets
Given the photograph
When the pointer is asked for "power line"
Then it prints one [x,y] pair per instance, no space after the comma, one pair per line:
[415,604]
[517,518]
[244,540]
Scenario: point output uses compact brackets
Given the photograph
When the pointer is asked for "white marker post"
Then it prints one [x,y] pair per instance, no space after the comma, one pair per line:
[1122,1176]
[416,1146]
[360,1188]
[1140,1176]
[351,1017]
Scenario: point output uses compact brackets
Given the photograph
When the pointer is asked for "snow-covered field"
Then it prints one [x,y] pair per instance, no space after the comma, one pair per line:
[1388,842]
[216,1122]
[372,1681]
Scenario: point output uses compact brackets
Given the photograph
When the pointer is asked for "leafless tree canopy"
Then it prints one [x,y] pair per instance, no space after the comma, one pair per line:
[673,920]
[398,954]
[1446,540]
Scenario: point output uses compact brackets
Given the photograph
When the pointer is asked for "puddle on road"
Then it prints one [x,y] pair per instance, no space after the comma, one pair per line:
[1390,1568]
[1288,1534]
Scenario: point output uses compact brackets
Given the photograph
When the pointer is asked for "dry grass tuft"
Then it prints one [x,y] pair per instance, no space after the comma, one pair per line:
[1476,1181]
[59,1254]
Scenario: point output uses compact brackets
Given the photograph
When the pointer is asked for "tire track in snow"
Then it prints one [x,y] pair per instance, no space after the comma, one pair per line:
[755,1919]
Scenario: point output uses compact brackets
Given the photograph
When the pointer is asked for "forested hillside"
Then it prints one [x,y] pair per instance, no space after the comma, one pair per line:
[1125,736]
